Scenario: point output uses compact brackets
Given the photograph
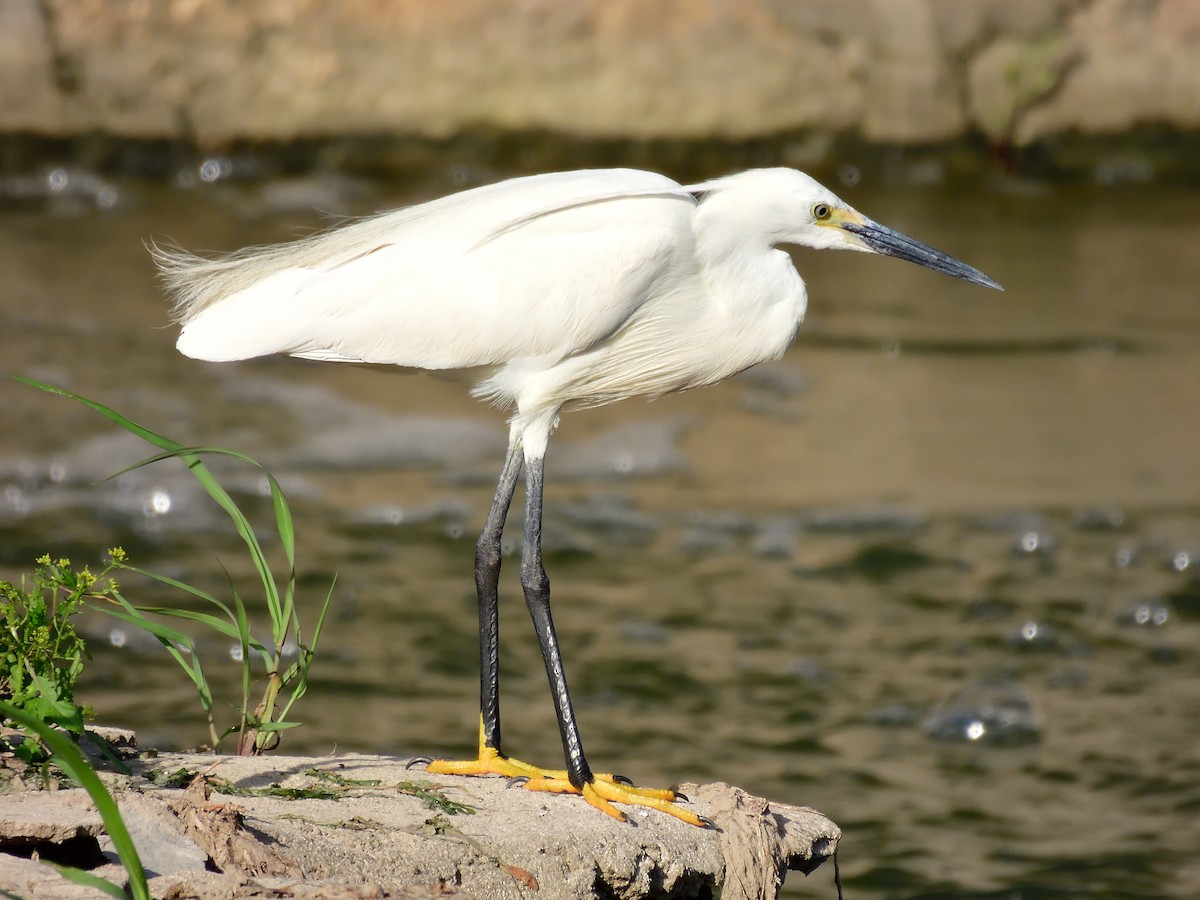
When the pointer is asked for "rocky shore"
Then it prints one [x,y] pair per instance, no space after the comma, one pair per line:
[356,826]
[897,71]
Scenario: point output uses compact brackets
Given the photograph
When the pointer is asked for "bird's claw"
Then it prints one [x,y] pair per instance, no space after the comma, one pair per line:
[418,761]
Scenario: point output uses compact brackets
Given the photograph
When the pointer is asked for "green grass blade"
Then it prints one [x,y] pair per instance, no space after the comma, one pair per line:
[280,595]
[283,520]
[228,629]
[280,611]
[160,631]
[201,473]
[183,451]
[133,427]
[321,618]
[175,583]
[172,640]
[244,638]
[277,726]
[299,669]
[136,615]
[71,761]
[190,663]
[87,879]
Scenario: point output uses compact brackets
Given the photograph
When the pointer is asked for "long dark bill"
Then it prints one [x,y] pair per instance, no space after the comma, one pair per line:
[884,240]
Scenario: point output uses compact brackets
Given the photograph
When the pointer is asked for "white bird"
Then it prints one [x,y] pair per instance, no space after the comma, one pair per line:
[549,292]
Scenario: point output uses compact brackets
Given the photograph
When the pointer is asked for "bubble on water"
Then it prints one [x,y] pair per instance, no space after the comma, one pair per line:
[235,653]
[1145,613]
[118,638]
[157,504]
[1033,542]
[81,185]
[107,196]
[849,175]
[215,169]
[1034,635]
[1182,560]
[16,499]
[992,711]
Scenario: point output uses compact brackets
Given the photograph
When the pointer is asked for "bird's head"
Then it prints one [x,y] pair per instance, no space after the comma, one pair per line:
[789,207]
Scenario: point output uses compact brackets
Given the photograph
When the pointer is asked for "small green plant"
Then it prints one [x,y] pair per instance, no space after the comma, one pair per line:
[433,797]
[68,758]
[259,724]
[41,654]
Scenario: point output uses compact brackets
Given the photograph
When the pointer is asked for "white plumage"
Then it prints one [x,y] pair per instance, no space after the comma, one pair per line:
[579,287]
[551,291]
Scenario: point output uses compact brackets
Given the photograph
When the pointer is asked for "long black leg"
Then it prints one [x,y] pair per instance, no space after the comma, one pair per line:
[487,576]
[537,597]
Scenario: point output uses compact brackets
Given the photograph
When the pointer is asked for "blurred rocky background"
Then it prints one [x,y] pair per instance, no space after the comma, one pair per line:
[1018,74]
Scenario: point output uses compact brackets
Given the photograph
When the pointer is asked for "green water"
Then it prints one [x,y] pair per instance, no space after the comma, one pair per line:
[934,574]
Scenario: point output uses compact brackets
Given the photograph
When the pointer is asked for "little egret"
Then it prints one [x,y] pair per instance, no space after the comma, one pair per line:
[548,292]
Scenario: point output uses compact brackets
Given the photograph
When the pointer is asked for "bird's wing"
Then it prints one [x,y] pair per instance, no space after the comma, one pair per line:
[539,266]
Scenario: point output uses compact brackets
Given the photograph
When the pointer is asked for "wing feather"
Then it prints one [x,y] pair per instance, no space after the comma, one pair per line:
[539,266]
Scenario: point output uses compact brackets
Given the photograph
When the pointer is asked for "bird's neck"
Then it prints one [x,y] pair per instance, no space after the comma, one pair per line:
[753,284]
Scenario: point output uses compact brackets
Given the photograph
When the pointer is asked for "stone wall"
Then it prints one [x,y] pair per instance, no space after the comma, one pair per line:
[905,71]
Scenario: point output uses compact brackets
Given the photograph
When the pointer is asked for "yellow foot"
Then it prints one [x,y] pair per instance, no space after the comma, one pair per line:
[605,790]
[602,792]
[490,762]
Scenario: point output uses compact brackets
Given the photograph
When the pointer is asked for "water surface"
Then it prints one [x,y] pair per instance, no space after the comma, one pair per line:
[935,573]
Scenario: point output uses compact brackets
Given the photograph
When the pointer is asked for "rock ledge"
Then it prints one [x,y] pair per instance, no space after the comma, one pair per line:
[367,826]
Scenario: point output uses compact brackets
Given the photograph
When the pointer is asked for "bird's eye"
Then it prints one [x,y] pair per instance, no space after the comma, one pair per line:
[821,211]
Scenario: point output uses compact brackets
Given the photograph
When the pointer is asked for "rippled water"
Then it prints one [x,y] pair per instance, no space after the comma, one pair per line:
[935,573]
